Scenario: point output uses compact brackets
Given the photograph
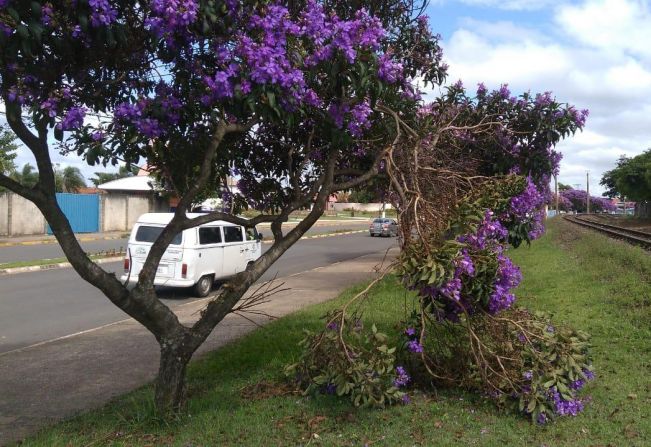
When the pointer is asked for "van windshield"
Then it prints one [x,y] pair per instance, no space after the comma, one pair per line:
[150,234]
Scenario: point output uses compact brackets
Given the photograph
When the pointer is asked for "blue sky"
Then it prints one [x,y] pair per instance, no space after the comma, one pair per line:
[595,54]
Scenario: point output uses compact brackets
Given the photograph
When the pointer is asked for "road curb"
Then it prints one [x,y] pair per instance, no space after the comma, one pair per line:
[61,265]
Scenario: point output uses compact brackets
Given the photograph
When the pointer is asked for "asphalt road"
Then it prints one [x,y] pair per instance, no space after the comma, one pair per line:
[40,306]
[51,251]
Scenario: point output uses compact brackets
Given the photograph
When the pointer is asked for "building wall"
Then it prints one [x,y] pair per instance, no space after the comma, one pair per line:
[345,206]
[4,213]
[25,218]
[113,212]
[136,206]
[118,212]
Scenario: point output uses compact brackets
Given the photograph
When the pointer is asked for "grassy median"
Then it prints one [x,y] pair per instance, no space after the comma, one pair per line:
[584,279]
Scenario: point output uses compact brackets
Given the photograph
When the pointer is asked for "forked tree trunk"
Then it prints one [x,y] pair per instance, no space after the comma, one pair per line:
[171,386]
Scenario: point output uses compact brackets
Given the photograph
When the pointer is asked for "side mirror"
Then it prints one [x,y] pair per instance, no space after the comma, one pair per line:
[260,236]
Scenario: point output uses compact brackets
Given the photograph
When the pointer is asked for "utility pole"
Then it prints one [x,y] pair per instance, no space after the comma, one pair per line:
[587,182]
[556,193]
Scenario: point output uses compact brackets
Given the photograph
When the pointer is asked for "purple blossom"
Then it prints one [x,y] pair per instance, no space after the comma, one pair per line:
[414,346]
[4,3]
[504,91]
[389,71]
[333,326]
[51,106]
[564,407]
[5,29]
[73,119]
[464,265]
[410,332]
[46,14]
[588,374]
[481,89]
[103,14]
[528,375]
[405,399]
[330,388]
[359,119]
[541,419]
[98,136]
[77,32]
[402,378]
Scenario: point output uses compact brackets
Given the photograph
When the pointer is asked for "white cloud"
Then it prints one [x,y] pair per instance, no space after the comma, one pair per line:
[599,58]
[610,25]
[512,5]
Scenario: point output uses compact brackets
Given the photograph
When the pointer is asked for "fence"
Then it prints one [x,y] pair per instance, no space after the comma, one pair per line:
[86,212]
[643,209]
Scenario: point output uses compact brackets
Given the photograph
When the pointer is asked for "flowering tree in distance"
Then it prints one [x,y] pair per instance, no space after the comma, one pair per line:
[298,99]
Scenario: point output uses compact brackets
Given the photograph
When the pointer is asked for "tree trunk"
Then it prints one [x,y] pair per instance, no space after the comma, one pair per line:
[171,387]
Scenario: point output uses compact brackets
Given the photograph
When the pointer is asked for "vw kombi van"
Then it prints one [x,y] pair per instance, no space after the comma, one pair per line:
[196,257]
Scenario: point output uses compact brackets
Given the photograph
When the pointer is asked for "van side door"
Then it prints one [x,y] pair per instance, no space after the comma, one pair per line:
[211,252]
[234,250]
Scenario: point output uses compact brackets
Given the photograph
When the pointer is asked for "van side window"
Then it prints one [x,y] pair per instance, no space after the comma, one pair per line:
[251,234]
[150,234]
[209,235]
[233,234]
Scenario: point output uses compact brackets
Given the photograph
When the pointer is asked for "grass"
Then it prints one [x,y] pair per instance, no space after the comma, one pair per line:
[586,280]
[43,262]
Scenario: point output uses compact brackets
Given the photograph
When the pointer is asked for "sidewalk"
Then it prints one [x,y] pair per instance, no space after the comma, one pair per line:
[55,380]
[44,239]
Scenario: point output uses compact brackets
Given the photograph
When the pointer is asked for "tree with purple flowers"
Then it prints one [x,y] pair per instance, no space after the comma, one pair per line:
[577,200]
[470,181]
[297,99]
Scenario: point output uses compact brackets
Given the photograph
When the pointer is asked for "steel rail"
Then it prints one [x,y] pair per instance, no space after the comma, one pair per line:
[632,236]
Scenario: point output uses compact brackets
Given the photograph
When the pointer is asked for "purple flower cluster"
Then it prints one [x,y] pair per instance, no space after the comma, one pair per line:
[330,34]
[165,105]
[73,119]
[508,277]
[46,14]
[103,14]
[389,70]
[356,118]
[171,15]
[490,234]
[4,4]
[402,378]
[565,407]
[414,346]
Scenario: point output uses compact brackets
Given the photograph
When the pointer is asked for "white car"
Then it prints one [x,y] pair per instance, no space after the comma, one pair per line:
[196,257]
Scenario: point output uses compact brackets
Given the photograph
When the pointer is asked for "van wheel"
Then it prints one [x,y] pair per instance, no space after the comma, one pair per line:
[203,287]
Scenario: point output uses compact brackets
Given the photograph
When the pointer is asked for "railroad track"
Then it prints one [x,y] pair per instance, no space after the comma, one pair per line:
[632,236]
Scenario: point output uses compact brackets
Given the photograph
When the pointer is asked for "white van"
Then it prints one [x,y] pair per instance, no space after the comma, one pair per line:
[196,257]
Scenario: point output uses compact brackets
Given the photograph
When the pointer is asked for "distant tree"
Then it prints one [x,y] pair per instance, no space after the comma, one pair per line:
[578,200]
[27,176]
[7,151]
[631,178]
[564,187]
[105,177]
[68,179]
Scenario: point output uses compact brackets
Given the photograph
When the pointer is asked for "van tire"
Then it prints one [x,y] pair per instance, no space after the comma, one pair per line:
[203,287]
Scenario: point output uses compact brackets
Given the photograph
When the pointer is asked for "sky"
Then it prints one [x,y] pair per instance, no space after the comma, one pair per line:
[594,54]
